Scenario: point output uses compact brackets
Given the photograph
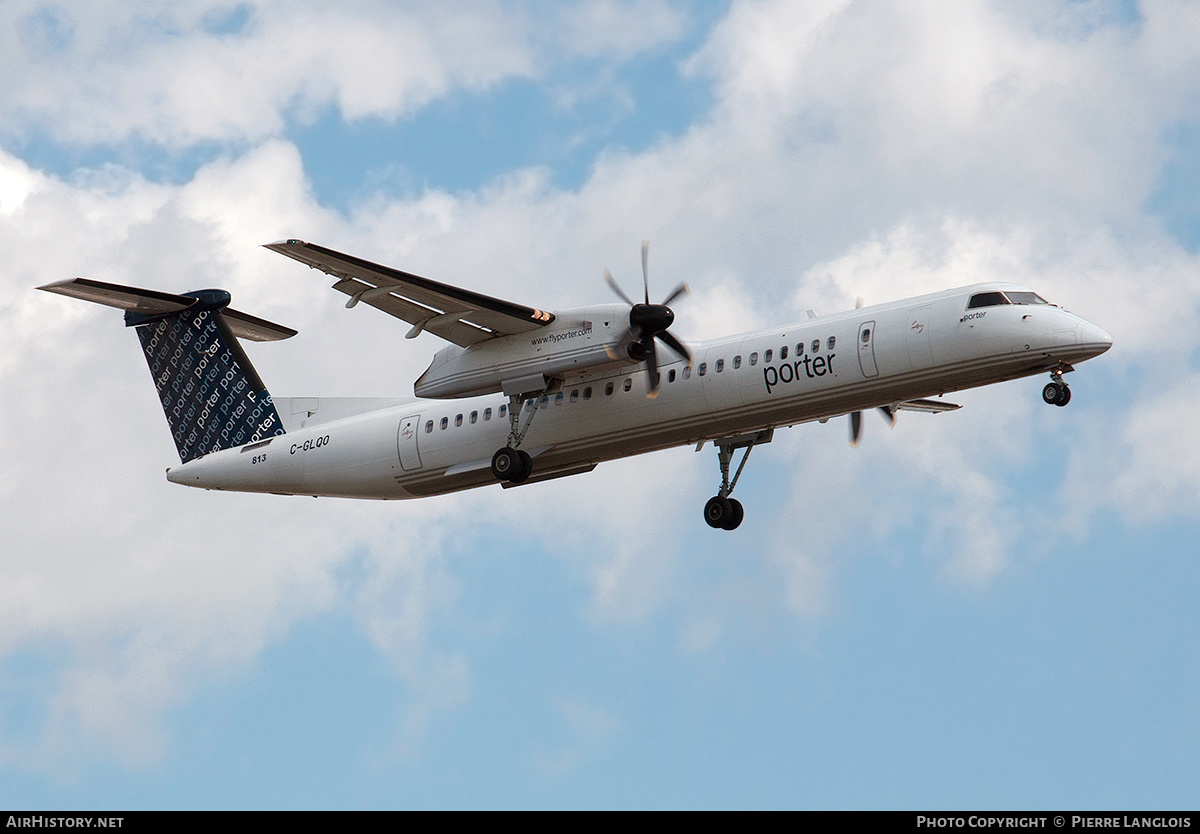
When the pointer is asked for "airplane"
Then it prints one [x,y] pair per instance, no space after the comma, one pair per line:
[521,395]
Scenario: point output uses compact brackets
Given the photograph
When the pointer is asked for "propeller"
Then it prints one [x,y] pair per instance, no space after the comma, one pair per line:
[647,322]
[888,413]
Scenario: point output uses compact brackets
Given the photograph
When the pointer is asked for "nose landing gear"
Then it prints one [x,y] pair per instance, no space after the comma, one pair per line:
[1056,391]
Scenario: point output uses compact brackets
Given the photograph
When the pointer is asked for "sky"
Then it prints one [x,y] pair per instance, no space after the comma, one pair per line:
[992,608]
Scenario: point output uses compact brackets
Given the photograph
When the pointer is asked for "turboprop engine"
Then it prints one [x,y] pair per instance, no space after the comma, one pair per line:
[579,341]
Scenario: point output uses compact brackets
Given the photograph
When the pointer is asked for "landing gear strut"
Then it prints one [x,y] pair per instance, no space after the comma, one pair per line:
[1056,391]
[510,463]
[722,512]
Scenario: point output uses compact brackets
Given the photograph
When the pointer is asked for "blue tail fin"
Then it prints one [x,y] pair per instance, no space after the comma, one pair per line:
[211,394]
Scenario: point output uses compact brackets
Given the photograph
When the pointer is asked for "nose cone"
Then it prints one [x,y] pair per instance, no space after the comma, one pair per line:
[1092,337]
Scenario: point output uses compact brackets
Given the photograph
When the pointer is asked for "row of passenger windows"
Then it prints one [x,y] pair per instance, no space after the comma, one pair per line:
[767,357]
[627,384]
[474,418]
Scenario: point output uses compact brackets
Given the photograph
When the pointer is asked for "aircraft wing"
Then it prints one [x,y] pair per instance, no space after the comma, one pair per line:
[456,315]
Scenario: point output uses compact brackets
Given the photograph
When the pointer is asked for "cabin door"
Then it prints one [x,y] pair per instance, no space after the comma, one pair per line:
[866,349]
[406,443]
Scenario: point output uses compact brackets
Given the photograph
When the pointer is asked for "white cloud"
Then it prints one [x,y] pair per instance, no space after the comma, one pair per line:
[1140,465]
[856,149]
[164,74]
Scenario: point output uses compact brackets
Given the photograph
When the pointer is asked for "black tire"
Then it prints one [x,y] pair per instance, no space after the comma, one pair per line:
[717,511]
[1051,393]
[507,463]
[1064,396]
[526,467]
[735,516]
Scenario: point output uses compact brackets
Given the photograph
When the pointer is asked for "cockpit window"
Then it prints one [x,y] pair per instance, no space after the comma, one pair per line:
[1026,298]
[987,299]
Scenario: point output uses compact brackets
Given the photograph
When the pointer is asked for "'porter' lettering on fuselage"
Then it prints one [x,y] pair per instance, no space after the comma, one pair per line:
[813,367]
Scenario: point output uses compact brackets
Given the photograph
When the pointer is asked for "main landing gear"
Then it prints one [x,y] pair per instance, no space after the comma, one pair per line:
[1056,391]
[722,512]
[510,463]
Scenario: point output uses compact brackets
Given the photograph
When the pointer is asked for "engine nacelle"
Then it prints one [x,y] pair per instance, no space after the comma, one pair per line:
[576,343]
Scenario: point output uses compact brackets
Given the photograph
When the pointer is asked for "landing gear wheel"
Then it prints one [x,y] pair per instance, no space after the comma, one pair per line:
[735,517]
[718,513]
[508,464]
[1056,393]
[526,467]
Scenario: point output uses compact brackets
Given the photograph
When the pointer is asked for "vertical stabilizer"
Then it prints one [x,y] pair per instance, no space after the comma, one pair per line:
[211,394]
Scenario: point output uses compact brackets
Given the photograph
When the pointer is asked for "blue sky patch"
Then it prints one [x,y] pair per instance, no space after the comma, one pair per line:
[1176,197]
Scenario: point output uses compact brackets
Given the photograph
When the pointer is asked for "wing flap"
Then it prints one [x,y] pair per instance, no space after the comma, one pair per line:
[456,315]
[927,406]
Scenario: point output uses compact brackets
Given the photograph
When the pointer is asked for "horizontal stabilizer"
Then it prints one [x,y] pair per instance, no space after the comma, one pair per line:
[131,299]
[246,326]
[153,304]
[928,406]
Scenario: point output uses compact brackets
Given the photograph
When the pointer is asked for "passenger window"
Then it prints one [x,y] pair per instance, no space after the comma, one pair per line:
[628,383]
[986,299]
[587,393]
[428,426]
[501,411]
[800,348]
[737,361]
[830,342]
[457,420]
[702,369]
[754,359]
[474,417]
[445,422]
[866,335]
[671,375]
[720,365]
[816,346]
[783,352]
[608,389]
[487,414]
[687,372]
[558,398]
[575,395]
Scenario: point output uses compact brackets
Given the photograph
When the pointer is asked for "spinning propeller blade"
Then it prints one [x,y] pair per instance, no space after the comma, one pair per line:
[888,413]
[647,322]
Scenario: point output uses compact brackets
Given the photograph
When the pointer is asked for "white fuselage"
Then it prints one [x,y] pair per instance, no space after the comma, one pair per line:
[817,369]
